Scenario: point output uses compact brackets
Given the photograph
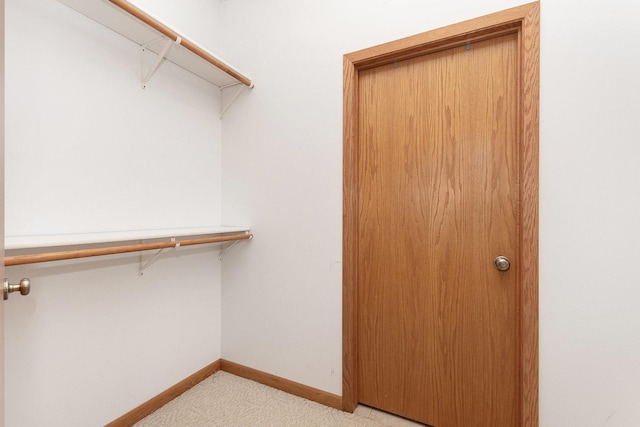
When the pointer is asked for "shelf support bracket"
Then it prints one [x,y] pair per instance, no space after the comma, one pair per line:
[223,107]
[145,77]
[155,257]
[230,246]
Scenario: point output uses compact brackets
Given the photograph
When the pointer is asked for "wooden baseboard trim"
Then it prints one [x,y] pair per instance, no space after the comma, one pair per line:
[137,414]
[288,386]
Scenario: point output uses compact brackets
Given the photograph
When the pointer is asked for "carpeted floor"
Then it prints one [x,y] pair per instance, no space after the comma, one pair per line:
[226,400]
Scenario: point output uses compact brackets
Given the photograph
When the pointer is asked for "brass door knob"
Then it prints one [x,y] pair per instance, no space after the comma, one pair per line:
[502,263]
[24,287]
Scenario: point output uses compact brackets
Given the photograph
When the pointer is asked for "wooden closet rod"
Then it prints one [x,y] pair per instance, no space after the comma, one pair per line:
[112,250]
[131,9]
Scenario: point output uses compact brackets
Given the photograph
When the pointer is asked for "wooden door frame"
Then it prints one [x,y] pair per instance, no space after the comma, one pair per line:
[525,21]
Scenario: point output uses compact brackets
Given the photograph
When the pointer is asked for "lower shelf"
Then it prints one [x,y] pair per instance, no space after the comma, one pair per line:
[178,237]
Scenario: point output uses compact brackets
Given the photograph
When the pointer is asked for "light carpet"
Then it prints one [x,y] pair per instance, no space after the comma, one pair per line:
[226,400]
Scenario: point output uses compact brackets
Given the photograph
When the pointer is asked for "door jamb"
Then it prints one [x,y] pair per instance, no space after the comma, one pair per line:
[525,20]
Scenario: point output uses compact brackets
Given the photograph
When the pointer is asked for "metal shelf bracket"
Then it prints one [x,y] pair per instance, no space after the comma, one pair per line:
[225,249]
[155,257]
[223,107]
[145,77]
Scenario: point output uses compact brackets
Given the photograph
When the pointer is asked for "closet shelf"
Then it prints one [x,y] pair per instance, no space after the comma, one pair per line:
[115,242]
[140,27]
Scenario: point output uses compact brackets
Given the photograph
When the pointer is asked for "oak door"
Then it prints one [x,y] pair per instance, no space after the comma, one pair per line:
[437,321]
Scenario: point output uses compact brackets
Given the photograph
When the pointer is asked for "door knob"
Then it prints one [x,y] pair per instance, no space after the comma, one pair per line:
[24,287]
[502,263]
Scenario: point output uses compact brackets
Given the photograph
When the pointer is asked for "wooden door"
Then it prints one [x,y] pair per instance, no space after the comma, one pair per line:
[440,158]
[438,201]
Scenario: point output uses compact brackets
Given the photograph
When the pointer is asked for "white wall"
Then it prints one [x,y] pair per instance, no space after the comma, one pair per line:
[590,205]
[282,174]
[88,150]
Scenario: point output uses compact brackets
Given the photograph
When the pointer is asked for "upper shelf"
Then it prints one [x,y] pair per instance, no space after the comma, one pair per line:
[140,27]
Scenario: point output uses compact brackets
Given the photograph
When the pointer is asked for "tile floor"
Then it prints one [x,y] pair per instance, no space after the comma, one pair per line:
[385,417]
